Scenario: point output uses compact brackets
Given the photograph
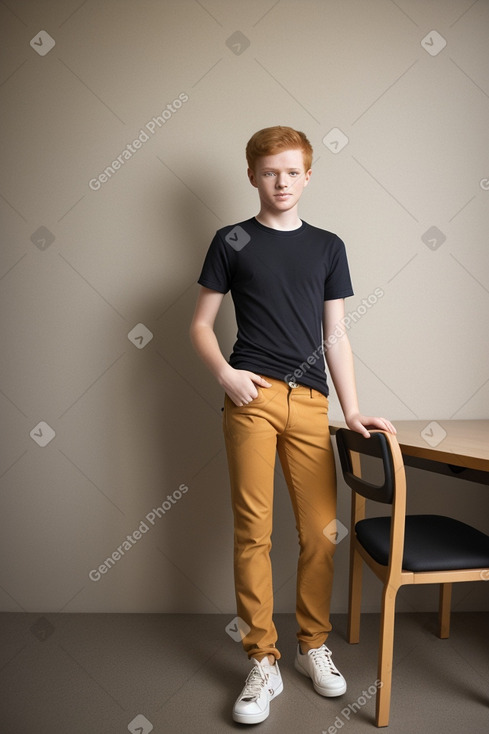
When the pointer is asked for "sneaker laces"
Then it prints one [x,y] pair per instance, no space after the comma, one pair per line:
[254,683]
[322,657]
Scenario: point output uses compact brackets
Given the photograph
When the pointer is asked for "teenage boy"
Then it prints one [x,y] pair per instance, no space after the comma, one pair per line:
[288,281]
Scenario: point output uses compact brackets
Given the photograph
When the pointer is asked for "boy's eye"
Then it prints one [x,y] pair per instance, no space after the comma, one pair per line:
[272,173]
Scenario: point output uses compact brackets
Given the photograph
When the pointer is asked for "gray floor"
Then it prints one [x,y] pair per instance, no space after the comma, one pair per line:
[180,674]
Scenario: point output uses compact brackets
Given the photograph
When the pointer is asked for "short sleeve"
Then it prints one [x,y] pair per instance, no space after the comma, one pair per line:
[216,270]
[338,281]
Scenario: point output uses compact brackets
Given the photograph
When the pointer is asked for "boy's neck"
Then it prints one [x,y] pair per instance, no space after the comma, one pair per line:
[284,221]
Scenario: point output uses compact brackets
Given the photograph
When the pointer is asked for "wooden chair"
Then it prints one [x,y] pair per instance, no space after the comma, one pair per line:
[400,549]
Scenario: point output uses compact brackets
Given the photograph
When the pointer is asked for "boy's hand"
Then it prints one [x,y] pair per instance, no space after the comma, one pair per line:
[359,423]
[240,385]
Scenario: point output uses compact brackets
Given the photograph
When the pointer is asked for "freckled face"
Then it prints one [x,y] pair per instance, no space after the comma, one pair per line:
[280,180]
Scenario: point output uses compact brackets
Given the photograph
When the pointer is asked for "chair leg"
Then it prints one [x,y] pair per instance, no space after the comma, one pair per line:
[444,611]
[386,652]
[355,600]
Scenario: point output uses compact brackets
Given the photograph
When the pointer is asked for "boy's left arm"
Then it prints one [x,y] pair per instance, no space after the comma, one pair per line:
[339,359]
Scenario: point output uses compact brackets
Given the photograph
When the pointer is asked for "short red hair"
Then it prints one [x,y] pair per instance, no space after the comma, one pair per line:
[272,140]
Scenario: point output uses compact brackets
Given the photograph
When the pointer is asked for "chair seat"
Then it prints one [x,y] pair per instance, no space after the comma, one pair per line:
[431,543]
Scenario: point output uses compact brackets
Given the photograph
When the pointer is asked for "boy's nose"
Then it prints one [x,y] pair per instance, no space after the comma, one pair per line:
[281,182]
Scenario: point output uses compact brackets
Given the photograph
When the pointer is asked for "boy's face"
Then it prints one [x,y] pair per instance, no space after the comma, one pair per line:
[280,180]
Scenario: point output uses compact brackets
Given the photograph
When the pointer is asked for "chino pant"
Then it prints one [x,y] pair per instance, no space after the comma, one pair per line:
[292,421]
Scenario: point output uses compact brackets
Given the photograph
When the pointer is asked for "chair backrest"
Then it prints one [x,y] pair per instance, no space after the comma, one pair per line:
[377,446]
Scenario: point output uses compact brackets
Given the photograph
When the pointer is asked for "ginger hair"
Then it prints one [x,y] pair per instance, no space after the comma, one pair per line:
[272,140]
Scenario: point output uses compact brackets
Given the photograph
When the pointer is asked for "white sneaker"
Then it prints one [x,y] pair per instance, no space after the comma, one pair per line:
[263,683]
[318,665]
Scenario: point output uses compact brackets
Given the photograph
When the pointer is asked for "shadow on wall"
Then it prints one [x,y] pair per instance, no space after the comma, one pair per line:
[169,451]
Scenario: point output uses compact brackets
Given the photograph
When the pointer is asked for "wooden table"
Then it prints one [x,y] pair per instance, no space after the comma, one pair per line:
[451,447]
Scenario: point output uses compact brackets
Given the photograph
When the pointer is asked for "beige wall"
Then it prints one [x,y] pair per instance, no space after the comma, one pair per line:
[137,421]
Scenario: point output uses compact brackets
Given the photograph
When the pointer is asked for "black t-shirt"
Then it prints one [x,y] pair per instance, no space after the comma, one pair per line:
[279,282]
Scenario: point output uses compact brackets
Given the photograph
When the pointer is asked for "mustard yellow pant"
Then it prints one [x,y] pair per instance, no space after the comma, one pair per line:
[293,422]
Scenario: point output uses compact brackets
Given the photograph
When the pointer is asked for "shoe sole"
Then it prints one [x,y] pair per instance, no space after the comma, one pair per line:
[318,689]
[257,718]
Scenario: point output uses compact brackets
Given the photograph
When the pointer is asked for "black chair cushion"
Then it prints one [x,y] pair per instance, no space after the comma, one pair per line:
[431,543]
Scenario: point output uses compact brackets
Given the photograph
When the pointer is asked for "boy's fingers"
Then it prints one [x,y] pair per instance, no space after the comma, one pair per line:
[258,380]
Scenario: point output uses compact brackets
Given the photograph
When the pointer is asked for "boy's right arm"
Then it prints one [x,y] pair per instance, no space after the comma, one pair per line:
[240,385]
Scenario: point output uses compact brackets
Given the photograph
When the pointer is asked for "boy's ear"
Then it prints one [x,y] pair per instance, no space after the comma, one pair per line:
[307,176]
[252,178]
